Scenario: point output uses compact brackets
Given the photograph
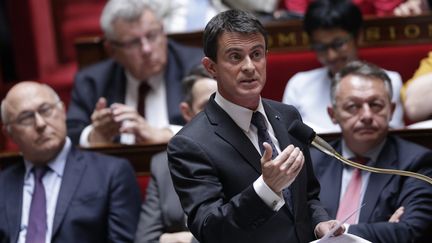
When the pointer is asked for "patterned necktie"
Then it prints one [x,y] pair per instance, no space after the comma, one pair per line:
[143,89]
[351,198]
[258,120]
[37,223]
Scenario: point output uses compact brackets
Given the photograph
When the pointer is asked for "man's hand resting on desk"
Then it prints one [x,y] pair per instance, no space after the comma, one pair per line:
[281,172]
[104,127]
[322,228]
[132,122]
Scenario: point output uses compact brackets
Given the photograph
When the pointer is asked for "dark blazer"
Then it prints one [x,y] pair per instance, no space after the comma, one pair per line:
[384,193]
[213,165]
[161,211]
[99,200]
[108,79]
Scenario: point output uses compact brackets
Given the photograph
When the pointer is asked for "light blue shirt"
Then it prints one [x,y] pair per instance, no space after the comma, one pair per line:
[52,182]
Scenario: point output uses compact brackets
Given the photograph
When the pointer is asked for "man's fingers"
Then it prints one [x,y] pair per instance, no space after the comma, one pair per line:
[396,215]
[267,153]
[101,103]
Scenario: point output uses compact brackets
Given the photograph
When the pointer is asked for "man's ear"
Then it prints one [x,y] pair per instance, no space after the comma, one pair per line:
[209,66]
[186,111]
[331,114]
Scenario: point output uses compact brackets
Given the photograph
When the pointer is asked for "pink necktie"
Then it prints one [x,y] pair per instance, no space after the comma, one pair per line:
[351,198]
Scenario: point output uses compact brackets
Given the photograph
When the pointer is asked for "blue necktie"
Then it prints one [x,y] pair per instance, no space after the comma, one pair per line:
[258,120]
[37,223]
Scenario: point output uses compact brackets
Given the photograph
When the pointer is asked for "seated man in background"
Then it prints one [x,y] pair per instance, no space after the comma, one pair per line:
[58,193]
[361,106]
[416,95]
[134,96]
[334,31]
[162,218]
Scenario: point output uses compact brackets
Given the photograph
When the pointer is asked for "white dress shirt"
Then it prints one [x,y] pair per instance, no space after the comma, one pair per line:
[52,182]
[242,117]
[156,109]
[309,92]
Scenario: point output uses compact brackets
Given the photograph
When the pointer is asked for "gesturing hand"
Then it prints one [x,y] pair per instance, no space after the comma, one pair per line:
[281,172]
[104,127]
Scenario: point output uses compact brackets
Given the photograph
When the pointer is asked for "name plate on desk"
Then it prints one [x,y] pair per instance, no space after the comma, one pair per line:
[377,31]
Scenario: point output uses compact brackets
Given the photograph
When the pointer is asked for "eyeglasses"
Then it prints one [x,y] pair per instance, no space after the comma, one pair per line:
[336,45]
[28,118]
[151,37]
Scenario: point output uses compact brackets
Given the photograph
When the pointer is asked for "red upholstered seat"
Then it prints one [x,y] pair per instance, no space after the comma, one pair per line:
[283,65]
[143,181]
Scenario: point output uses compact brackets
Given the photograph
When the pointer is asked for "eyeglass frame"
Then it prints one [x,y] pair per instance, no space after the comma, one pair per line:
[335,45]
[48,113]
[151,37]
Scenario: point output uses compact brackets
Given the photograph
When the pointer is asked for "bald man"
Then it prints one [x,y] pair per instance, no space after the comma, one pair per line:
[58,193]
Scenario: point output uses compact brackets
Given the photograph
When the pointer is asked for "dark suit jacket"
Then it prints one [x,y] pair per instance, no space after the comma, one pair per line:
[213,165]
[108,79]
[384,193]
[161,211]
[98,201]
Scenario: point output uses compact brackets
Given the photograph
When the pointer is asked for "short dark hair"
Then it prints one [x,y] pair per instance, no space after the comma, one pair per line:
[229,21]
[330,14]
[362,69]
[197,73]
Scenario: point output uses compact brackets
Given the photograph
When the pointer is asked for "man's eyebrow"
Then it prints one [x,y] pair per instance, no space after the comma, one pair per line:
[238,49]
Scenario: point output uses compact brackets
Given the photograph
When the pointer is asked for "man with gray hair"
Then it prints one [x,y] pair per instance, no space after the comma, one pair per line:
[57,193]
[396,209]
[134,96]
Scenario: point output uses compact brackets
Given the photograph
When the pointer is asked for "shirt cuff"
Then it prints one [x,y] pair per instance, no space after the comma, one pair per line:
[84,137]
[270,198]
[346,228]
[175,128]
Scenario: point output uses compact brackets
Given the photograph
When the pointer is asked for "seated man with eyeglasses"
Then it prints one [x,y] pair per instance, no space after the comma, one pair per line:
[334,29]
[56,192]
[134,96]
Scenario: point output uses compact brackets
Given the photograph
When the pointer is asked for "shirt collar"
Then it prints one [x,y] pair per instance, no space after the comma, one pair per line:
[154,82]
[241,115]
[57,164]
[371,154]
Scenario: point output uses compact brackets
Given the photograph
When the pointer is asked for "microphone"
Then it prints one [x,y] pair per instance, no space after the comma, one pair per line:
[307,135]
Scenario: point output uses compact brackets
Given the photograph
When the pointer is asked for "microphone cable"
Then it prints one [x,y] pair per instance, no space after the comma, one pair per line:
[307,135]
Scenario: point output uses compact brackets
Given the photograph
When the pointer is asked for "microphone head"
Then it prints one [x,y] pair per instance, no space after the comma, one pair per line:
[302,132]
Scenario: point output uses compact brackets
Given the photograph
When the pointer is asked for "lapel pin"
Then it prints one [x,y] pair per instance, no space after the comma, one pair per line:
[277,117]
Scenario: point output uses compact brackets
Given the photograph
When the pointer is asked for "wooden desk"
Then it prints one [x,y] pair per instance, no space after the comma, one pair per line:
[140,155]
[289,36]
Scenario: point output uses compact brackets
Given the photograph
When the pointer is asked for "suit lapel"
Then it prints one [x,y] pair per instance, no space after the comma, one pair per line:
[387,159]
[332,176]
[73,172]
[228,130]
[14,201]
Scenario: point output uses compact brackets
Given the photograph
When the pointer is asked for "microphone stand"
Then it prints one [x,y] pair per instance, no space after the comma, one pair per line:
[306,134]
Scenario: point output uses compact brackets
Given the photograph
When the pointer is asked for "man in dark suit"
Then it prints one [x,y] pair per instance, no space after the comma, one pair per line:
[361,105]
[77,196]
[229,191]
[162,218]
[136,93]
